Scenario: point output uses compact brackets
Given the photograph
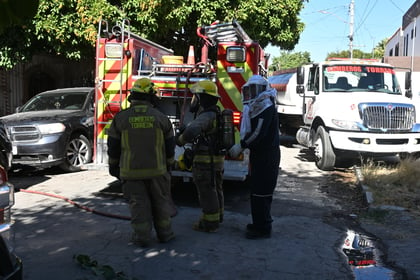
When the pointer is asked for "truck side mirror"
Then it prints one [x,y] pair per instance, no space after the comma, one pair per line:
[300,76]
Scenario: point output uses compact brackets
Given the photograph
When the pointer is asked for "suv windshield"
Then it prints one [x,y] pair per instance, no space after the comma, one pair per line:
[360,78]
[56,101]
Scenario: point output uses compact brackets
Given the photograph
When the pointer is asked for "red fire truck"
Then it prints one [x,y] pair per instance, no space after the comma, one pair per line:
[123,57]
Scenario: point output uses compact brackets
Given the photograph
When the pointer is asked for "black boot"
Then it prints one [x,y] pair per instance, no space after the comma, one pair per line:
[252,232]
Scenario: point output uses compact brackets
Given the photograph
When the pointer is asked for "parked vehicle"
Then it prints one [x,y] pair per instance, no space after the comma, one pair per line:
[5,148]
[54,128]
[10,264]
[344,108]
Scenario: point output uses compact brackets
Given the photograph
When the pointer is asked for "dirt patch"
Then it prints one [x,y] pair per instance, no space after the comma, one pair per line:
[395,185]
[342,186]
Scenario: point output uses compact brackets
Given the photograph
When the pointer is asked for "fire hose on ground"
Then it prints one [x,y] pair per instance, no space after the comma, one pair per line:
[88,209]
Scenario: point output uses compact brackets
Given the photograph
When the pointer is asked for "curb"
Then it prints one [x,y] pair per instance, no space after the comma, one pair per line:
[369,195]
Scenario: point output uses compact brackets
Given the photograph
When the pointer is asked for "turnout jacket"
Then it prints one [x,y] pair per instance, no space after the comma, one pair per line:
[202,132]
[141,141]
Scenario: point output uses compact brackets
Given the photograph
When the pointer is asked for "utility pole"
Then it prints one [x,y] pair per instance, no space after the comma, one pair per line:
[351,12]
[413,41]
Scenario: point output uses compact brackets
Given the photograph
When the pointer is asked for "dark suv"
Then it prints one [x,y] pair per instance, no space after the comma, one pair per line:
[54,128]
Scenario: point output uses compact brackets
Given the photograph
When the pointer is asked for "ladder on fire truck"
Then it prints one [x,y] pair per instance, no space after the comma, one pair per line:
[229,32]
[226,32]
[119,31]
[122,32]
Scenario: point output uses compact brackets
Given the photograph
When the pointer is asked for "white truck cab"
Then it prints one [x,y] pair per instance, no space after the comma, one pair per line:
[351,108]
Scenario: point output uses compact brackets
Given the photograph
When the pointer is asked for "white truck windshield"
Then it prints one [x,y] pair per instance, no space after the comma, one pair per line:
[360,78]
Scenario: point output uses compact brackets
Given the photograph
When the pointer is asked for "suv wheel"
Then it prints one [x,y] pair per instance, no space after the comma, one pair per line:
[78,153]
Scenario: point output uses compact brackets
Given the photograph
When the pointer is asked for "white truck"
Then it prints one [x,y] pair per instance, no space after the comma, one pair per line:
[347,108]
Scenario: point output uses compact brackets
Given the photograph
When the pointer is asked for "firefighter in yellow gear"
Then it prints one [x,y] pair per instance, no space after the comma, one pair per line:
[208,161]
[141,148]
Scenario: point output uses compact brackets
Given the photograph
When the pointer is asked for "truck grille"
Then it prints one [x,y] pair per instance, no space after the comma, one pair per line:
[388,117]
[27,133]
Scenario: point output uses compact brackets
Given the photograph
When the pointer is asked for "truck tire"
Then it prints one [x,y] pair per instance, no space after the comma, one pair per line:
[324,152]
[78,153]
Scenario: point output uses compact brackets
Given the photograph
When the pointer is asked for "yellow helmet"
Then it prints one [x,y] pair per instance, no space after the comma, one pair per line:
[144,85]
[206,87]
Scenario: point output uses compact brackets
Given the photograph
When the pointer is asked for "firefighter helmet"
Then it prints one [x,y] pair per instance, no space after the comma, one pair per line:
[143,85]
[206,87]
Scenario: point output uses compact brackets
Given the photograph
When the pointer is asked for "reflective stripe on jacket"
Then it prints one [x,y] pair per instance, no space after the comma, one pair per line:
[143,133]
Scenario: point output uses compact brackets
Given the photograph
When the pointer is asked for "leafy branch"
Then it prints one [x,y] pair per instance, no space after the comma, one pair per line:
[106,271]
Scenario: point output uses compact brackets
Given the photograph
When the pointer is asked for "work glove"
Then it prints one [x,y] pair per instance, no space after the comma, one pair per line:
[235,150]
[179,140]
[170,162]
[181,129]
[178,136]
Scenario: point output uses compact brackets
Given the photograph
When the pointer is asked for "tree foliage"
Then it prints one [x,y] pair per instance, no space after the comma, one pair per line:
[290,60]
[377,53]
[379,50]
[68,27]
[14,12]
[346,54]
[14,40]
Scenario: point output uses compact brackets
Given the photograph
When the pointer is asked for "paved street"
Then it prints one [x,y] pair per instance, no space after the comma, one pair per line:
[306,241]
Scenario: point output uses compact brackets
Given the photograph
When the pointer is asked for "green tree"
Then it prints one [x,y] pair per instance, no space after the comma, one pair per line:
[68,27]
[377,53]
[14,12]
[379,50]
[289,60]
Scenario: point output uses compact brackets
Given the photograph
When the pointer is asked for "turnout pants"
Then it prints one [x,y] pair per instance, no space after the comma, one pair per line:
[150,204]
[209,184]
[264,171]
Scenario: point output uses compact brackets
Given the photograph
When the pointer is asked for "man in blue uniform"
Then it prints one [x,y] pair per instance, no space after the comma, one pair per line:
[260,134]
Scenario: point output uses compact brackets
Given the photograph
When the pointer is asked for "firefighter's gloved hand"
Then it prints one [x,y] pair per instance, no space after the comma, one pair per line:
[170,163]
[179,140]
[181,129]
[235,150]
[114,170]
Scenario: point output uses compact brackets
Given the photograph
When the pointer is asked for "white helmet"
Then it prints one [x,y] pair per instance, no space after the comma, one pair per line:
[251,89]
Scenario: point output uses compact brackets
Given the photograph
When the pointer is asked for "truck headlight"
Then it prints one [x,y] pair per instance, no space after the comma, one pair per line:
[51,128]
[347,125]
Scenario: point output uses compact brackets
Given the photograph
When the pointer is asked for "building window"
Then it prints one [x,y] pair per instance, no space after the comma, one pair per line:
[397,50]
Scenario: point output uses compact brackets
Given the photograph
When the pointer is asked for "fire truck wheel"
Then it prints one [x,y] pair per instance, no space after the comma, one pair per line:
[324,152]
[78,153]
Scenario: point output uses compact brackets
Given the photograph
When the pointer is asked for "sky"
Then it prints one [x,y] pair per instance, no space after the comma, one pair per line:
[327,25]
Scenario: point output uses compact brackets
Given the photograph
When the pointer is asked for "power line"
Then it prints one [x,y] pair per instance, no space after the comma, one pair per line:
[396,6]
[367,15]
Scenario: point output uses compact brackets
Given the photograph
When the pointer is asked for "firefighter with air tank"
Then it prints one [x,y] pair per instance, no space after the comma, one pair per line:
[208,160]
